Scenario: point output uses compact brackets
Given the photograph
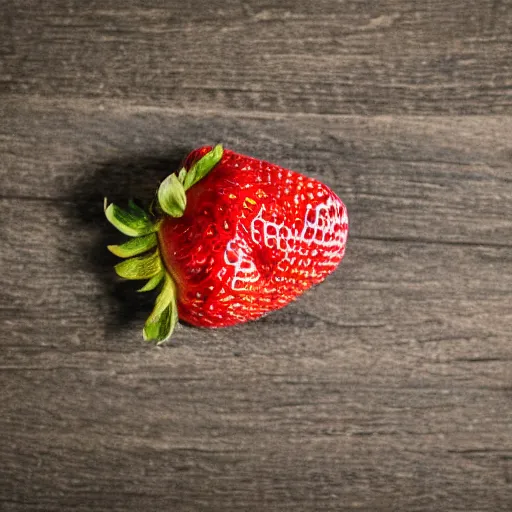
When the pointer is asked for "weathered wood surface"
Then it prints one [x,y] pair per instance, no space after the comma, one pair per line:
[388,387]
[326,56]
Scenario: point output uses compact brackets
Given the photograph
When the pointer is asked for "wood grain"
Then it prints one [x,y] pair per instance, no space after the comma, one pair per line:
[411,178]
[386,388]
[328,57]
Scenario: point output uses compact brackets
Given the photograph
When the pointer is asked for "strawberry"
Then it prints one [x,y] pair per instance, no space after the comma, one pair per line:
[233,239]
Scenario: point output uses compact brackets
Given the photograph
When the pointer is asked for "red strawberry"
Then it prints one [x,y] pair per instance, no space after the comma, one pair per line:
[232,244]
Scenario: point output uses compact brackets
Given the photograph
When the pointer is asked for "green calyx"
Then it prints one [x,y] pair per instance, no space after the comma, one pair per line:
[142,259]
[164,317]
[132,222]
[172,197]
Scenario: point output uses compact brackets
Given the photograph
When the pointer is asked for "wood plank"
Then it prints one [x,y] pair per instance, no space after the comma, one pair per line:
[403,178]
[351,57]
[384,294]
[385,388]
[96,435]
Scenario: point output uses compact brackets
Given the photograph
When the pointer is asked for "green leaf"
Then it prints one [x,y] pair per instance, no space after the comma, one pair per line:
[189,179]
[164,317]
[137,211]
[203,166]
[141,267]
[171,196]
[159,330]
[131,222]
[182,174]
[134,246]
[166,296]
[153,282]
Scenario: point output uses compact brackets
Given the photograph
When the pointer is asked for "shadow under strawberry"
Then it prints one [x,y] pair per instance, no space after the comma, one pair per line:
[133,177]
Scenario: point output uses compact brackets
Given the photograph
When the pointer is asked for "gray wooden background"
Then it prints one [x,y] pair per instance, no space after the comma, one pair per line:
[388,387]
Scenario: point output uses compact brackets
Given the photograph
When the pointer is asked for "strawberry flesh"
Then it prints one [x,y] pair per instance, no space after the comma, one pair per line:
[253,237]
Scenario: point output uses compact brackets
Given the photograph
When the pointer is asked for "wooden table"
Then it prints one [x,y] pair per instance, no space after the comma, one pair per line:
[388,387]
